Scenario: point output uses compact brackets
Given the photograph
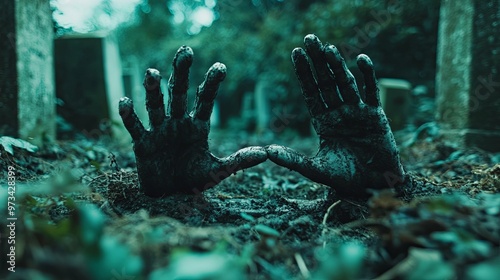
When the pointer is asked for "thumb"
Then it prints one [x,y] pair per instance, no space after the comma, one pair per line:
[294,160]
[242,159]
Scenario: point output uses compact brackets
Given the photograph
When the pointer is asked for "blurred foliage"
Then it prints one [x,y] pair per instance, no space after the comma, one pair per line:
[215,265]
[254,39]
[57,237]
[150,29]
[344,261]
[436,233]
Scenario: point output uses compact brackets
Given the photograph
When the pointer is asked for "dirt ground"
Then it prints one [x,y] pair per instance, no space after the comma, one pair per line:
[81,215]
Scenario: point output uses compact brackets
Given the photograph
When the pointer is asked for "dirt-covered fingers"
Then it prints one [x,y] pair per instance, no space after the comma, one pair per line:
[294,160]
[154,97]
[207,91]
[325,79]
[309,87]
[371,89]
[179,81]
[343,77]
[130,119]
[242,159]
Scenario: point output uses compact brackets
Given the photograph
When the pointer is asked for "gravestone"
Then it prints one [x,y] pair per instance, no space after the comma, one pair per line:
[468,74]
[263,89]
[248,118]
[395,95]
[27,102]
[215,117]
[133,77]
[90,83]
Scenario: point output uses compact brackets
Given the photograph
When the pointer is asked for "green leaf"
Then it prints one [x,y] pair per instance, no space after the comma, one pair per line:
[189,265]
[341,262]
[247,217]
[488,270]
[267,231]
[9,143]
[429,263]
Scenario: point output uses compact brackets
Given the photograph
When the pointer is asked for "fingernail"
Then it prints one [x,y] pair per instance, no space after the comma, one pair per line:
[298,53]
[153,73]
[218,71]
[125,106]
[183,58]
[333,54]
[364,62]
[311,39]
[152,79]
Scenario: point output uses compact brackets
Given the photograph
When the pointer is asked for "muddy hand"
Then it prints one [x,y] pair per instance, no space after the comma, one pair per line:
[357,149]
[173,155]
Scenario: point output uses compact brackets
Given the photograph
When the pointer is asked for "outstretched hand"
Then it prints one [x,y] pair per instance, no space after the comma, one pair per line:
[173,155]
[357,149]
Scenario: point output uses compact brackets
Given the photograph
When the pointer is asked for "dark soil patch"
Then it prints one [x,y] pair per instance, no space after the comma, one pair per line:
[264,223]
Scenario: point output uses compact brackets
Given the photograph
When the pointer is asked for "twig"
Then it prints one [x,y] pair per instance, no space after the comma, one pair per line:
[108,208]
[325,218]
[355,204]
[302,266]
[363,209]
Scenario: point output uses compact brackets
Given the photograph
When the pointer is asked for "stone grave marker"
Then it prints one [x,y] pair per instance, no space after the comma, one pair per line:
[468,73]
[90,83]
[27,97]
[133,77]
[262,107]
[248,117]
[395,95]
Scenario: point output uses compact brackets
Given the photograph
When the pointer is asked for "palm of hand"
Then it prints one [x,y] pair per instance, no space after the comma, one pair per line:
[173,155]
[357,148]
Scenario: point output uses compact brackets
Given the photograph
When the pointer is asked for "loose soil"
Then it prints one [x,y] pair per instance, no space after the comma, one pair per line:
[266,222]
